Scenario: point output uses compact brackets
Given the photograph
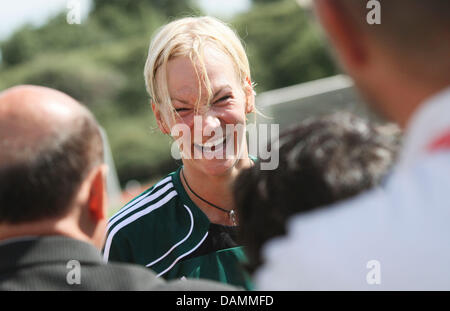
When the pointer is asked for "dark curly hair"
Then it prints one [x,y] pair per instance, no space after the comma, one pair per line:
[321,161]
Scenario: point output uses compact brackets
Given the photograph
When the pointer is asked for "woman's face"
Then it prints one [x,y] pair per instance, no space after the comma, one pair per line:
[212,145]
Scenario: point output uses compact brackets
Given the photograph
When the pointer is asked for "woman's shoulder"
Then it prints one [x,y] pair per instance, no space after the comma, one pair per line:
[159,211]
[160,187]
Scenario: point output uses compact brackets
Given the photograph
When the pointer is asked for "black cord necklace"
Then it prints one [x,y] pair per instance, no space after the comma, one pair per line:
[231,213]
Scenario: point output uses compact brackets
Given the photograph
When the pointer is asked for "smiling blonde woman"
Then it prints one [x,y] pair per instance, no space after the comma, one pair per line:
[198,75]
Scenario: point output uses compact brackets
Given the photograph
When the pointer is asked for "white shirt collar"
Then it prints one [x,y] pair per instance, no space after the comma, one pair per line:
[428,122]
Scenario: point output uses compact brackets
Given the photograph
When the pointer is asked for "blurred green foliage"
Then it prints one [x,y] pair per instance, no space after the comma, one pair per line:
[283,44]
[167,7]
[100,62]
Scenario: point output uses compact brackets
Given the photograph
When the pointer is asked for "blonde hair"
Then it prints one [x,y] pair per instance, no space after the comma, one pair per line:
[188,37]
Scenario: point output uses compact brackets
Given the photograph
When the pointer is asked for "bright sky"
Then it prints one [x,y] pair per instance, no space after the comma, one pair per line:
[224,8]
[15,13]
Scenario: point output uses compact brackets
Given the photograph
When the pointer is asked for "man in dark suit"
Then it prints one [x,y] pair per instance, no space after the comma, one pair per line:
[53,200]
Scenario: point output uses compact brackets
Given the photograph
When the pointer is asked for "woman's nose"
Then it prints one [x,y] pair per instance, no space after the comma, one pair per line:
[210,123]
[210,120]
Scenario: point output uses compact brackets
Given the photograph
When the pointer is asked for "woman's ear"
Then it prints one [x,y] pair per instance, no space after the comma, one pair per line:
[161,124]
[250,96]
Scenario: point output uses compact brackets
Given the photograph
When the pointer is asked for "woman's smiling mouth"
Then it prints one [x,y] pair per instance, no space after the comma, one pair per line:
[213,148]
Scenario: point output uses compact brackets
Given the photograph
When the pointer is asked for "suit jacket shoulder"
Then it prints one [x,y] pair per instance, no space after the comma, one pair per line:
[61,263]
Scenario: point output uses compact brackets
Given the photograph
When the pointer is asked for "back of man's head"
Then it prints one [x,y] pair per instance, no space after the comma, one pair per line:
[396,51]
[417,31]
[321,161]
[48,145]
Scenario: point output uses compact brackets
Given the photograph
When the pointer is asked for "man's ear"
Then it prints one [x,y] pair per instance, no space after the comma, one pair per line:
[343,32]
[161,124]
[97,201]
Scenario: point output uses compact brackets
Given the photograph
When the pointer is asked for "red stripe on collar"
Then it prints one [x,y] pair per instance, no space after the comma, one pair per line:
[441,143]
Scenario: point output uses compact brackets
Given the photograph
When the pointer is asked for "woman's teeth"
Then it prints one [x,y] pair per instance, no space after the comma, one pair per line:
[210,144]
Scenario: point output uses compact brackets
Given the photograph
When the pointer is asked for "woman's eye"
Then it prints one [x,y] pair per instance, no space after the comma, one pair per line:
[181,109]
[223,98]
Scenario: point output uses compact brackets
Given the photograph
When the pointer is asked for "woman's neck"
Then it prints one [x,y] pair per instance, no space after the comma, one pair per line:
[214,189]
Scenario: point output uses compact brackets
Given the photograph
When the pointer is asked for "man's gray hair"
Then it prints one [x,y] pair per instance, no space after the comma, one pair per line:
[39,181]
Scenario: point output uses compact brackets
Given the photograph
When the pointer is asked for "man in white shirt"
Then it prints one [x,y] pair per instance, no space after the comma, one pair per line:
[397,237]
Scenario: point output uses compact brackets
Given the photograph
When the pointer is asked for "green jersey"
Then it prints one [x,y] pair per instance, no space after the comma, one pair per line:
[165,231]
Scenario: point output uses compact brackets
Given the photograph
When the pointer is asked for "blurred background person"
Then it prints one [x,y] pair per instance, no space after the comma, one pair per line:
[53,199]
[395,237]
[323,160]
[185,225]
